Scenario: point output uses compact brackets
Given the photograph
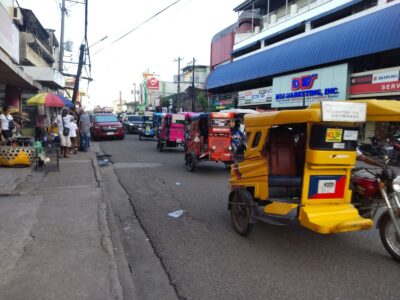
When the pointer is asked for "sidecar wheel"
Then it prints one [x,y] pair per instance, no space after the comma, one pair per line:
[240,216]
[389,239]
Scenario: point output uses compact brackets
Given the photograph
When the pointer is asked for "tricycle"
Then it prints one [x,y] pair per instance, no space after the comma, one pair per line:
[158,118]
[298,168]
[172,133]
[147,130]
[209,139]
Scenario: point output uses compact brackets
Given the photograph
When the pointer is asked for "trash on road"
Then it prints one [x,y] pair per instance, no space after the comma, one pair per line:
[178,183]
[176,214]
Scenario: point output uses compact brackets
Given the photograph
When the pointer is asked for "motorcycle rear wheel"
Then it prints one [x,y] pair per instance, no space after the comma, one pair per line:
[387,233]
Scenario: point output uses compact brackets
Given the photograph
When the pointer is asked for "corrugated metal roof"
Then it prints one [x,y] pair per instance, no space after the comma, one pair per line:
[373,33]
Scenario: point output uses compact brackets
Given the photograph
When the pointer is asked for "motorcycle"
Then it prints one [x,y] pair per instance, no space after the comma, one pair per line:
[375,148]
[394,153]
[376,191]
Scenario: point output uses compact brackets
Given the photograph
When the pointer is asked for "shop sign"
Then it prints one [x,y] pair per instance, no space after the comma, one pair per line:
[302,89]
[255,96]
[153,83]
[375,82]
[220,103]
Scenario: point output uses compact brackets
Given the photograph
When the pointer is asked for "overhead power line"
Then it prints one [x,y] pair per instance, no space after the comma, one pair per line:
[140,25]
[144,22]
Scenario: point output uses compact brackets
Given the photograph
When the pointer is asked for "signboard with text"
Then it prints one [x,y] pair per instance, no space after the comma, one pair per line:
[255,96]
[153,83]
[384,81]
[302,89]
[222,102]
[342,112]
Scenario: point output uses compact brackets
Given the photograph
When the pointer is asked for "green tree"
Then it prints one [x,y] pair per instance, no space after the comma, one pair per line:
[202,98]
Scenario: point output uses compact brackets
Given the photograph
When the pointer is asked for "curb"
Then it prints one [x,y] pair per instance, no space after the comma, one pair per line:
[105,232]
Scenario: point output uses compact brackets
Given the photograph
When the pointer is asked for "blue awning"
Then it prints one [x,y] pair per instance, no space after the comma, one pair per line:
[373,33]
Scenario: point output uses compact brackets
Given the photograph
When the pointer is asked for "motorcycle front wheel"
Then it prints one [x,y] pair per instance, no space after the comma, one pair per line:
[382,153]
[388,235]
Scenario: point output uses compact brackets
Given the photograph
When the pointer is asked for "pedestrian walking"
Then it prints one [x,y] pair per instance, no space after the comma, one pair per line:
[73,130]
[7,123]
[63,124]
[84,129]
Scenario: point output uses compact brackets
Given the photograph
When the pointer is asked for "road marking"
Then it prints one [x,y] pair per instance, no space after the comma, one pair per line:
[136,165]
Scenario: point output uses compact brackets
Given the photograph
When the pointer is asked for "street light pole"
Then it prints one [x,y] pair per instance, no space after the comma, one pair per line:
[193,94]
[179,79]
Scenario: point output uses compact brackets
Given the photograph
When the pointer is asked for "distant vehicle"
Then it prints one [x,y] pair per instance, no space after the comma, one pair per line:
[133,123]
[147,130]
[106,125]
[172,133]
[208,137]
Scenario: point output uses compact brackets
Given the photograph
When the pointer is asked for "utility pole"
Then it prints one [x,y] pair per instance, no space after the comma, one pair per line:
[179,80]
[78,74]
[61,57]
[193,93]
[81,59]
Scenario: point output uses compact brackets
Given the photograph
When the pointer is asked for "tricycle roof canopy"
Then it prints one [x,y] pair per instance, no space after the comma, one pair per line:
[377,110]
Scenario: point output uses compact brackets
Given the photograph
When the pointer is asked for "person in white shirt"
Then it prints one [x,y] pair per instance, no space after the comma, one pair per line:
[6,121]
[73,128]
[63,121]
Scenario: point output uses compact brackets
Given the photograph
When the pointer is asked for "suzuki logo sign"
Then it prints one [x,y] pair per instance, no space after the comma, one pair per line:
[304,82]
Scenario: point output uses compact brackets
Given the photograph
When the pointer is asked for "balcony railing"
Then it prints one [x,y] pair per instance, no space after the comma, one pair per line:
[281,15]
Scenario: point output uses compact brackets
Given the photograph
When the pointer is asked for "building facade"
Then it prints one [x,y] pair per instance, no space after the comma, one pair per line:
[27,60]
[288,54]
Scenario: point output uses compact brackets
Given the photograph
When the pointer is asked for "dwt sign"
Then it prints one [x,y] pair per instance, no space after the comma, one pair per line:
[303,82]
[305,88]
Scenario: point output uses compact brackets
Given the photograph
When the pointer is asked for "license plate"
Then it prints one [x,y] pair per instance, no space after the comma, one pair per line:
[110,133]
[179,141]
[326,186]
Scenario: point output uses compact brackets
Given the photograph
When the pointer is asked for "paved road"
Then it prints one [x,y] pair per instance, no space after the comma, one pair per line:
[205,259]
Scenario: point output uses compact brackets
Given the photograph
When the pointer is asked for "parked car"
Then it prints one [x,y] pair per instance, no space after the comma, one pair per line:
[133,123]
[105,126]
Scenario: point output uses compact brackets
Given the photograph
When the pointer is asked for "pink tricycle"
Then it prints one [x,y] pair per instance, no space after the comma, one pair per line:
[172,132]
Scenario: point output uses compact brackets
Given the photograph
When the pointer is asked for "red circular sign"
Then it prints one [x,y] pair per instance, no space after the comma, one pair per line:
[152,83]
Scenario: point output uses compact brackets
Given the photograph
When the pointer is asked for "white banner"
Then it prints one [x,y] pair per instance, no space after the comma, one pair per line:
[255,96]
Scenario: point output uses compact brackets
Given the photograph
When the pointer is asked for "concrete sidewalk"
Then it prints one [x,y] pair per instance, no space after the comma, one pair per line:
[54,237]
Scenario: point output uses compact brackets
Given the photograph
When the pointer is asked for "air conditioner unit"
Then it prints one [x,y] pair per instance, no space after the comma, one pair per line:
[17,16]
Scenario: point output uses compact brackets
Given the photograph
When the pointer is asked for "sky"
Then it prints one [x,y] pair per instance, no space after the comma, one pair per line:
[184,30]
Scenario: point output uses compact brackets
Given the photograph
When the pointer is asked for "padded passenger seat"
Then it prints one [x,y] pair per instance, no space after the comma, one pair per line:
[282,180]
[284,186]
